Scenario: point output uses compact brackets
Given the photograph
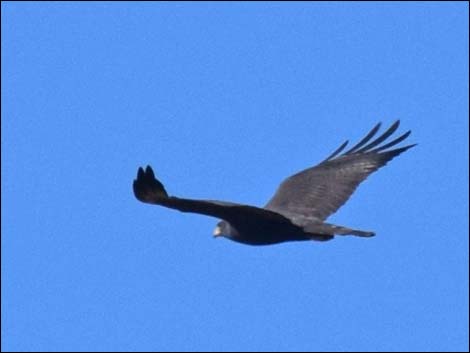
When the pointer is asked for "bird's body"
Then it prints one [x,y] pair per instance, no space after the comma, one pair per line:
[301,204]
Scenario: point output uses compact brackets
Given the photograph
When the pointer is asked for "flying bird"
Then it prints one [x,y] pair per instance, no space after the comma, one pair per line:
[302,202]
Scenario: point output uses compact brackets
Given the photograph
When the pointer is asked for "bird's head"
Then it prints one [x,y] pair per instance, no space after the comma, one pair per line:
[223,229]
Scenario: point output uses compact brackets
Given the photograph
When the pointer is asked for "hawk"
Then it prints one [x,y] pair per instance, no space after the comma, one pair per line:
[298,209]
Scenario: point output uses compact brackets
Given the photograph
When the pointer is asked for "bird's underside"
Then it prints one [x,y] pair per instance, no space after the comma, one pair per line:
[300,206]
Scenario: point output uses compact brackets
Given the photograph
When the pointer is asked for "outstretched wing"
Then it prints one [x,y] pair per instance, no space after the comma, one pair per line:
[150,190]
[317,192]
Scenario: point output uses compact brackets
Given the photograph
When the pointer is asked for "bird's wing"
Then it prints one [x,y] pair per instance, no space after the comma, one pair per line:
[150,190]
[317,192]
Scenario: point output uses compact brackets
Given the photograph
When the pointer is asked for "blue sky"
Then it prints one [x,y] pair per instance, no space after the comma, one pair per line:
[225,100]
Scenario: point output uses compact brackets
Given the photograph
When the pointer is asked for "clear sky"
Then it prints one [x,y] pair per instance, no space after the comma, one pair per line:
[224,100]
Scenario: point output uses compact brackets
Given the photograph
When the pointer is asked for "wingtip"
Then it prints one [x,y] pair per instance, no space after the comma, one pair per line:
[140,173]
[147,188]
[395,125]
[149,170]
[134,187]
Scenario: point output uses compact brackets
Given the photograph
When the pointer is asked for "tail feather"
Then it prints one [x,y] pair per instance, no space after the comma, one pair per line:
[348,231]
[331,229]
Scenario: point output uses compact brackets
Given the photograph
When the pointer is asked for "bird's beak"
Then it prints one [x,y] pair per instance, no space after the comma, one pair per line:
[217,232]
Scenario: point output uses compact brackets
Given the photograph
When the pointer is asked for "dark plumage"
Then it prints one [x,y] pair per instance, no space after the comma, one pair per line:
[302,202]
